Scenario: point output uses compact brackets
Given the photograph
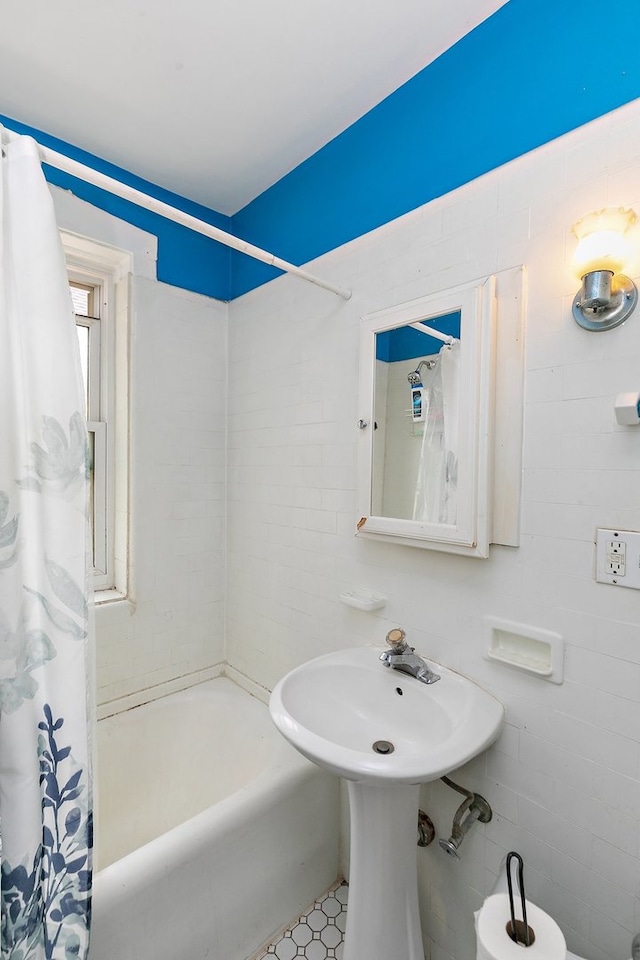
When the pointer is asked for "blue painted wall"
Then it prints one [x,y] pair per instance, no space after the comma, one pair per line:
[185,259]
[528,74]
[533,71]
[405,343]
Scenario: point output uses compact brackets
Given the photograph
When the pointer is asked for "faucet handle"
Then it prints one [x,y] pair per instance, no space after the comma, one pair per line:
[396,639]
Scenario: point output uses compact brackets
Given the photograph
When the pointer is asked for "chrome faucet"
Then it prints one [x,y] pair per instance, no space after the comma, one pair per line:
[402,657]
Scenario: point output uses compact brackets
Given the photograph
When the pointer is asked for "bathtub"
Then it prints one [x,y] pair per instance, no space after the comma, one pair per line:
[212,832]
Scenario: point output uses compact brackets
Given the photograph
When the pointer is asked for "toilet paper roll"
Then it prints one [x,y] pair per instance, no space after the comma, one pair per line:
[494,943]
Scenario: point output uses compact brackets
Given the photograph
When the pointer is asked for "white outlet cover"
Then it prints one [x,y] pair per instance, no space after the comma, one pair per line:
[630,550]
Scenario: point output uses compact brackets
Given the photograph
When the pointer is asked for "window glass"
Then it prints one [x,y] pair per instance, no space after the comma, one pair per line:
[82,297]
[83,341]
[98,278]
[92,493]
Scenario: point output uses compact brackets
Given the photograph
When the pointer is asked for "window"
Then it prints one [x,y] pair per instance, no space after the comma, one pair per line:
[98,283]
[90,302]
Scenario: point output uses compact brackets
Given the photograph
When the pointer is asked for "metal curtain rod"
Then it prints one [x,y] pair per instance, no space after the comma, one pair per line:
[101,180]
[432,332]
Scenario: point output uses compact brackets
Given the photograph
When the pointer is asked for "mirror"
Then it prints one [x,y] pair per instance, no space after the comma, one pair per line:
[426,387]
[416,401]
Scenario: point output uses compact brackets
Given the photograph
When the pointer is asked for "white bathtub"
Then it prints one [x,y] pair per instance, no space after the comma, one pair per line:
[212,832]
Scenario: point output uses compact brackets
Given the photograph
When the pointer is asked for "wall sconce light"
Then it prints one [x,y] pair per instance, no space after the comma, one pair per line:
[606,297]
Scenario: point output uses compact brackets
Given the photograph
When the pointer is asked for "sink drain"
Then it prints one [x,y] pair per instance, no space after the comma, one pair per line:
[383,746]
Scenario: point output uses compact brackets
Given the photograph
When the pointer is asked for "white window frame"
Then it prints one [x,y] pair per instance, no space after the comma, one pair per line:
[107,270]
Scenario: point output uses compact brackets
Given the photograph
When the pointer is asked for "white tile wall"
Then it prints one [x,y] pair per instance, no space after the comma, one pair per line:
[564,779]
[171,630]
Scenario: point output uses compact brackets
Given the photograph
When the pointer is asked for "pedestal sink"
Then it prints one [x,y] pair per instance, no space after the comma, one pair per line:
[385,733]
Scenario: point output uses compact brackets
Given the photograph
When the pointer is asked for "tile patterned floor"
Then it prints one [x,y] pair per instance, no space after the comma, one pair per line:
[318,933]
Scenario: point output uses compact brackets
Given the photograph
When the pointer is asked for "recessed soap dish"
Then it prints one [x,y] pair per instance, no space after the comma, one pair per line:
[363,601]
[527,648]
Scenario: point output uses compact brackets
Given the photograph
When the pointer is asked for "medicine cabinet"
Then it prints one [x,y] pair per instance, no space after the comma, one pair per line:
[427,437]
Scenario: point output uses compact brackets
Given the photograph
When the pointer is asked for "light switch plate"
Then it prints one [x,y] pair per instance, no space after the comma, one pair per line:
[618,557]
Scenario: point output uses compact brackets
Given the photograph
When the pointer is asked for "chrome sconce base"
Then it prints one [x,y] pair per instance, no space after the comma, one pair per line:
[604,301]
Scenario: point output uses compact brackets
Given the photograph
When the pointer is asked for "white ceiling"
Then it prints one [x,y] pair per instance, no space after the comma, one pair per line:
[215,99]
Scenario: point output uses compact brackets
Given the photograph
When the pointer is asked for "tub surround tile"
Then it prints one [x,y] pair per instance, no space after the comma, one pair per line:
[178,475]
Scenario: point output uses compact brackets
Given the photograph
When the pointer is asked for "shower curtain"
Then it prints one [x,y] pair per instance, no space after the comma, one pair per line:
[437,478]
[45,786]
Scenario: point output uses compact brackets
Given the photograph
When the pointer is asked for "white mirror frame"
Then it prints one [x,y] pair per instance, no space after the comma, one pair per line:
[470,535]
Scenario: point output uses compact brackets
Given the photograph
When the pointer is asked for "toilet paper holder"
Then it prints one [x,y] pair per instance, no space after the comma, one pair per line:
[518,930]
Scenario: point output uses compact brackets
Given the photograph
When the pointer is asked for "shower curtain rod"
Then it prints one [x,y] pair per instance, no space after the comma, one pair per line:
[101,180]
[432,332]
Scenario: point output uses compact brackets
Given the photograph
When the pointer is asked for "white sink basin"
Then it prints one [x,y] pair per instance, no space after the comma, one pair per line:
[335,708]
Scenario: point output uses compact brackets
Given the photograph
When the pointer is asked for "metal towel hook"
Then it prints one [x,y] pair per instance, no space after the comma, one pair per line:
[518,930]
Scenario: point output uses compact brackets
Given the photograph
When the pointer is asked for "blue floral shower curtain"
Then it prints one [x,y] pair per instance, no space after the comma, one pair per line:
[45,786]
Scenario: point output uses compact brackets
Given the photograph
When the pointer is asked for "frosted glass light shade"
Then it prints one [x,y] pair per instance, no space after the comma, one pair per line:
[605,250]
[602,244]
[606,297]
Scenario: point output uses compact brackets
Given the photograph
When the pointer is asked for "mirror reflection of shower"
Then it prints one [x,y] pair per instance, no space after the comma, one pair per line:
[417,389]
[408,403]
[415,378]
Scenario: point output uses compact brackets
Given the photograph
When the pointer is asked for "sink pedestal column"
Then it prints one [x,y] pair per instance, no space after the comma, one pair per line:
[383,921]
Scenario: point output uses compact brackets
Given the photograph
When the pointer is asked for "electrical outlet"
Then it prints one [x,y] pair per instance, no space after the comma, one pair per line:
[618,558]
